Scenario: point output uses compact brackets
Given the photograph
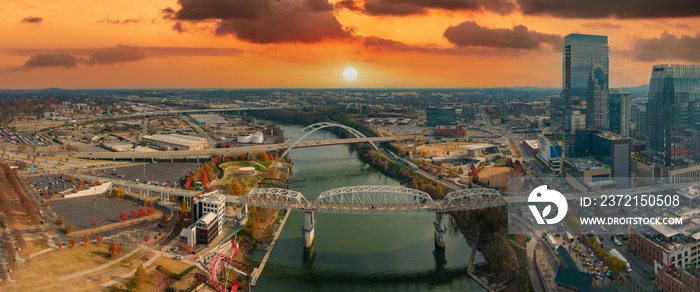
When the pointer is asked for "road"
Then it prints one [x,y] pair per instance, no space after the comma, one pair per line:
[211,143]
[638,267]
[206,153]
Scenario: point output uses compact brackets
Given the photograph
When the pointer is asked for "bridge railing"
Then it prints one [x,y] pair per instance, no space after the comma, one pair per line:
[374,200]
[275,198]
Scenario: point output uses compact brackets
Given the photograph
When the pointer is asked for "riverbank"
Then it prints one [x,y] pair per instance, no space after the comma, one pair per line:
[490,223]
[503,261]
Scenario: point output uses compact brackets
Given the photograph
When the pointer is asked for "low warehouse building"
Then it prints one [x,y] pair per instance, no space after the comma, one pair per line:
[176,142]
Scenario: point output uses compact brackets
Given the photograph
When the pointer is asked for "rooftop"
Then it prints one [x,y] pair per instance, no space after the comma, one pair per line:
[477,146]
[610,135]
[532,143]
[209,118]
[212,197]
[587,163]
[175,139]
[664,230]
[207,219]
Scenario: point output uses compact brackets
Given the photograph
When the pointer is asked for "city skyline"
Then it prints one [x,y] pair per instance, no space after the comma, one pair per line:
[308,44]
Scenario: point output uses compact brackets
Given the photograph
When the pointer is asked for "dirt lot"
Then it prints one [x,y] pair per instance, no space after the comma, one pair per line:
[439,149]
[498,176]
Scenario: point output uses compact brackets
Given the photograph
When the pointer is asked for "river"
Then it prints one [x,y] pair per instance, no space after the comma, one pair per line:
[359,252]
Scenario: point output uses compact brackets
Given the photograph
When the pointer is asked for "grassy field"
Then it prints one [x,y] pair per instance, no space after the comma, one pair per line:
[34,246]
[42,272]
[246,181]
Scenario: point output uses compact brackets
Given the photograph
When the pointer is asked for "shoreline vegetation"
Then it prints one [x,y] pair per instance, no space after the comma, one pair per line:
[261,221]
[504,253]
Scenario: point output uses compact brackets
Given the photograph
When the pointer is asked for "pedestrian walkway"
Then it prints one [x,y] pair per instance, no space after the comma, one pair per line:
[43,251]
[100,267]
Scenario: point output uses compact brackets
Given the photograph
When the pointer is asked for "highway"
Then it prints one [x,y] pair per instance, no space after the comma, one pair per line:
[206,153]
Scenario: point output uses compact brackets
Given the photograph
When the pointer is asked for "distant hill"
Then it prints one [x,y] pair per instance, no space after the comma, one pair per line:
[642,90]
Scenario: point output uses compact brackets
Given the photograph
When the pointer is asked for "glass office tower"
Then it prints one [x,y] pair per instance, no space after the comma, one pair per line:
[619,112]
[673,121]
[584,83]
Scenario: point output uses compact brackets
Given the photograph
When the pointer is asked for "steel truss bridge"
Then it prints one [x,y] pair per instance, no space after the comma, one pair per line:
[372,200]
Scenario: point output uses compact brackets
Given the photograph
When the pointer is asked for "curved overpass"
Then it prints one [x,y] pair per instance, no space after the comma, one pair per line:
[206,153]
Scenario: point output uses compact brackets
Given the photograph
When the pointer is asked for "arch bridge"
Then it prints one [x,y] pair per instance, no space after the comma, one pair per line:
[306,131]
[370,199]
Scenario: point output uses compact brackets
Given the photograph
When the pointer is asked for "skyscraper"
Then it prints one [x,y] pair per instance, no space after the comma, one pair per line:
[440,116]
[619,112]
[673,116]
[639,117]
[584,83]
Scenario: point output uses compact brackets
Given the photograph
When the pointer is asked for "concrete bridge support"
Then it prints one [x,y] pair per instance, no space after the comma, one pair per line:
[440,229]
[242,214]
[308,230]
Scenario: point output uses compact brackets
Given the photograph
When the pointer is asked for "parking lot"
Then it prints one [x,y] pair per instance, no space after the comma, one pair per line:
[53,183]
[154,173]
[79,212]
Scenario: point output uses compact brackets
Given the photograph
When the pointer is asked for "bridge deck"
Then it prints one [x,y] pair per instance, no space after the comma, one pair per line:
[205,153]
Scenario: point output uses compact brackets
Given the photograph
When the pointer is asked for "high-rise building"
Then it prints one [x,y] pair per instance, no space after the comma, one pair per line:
[584,82]
[619,111]
[612,149]
[440,116]
[639,118]
[470,112]
[673,116]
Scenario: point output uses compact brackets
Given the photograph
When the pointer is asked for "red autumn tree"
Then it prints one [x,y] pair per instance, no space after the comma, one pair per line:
[86,240]
[151,210]
[142,212]
[123,216]
[134,214]
[114,250]
[99,239]
[72,242]
[60,245]
[94,222]
[205,178]
[163,221]
[146,237]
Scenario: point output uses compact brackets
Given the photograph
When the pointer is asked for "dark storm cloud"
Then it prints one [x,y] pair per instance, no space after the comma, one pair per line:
[51,60]
[118,54]
[667,47]
[416,7]
[179,27]
[32,19]
[470,34]
[264,21]
[113,55]
[121,21]
[218,9]
[622,9]
[376,42]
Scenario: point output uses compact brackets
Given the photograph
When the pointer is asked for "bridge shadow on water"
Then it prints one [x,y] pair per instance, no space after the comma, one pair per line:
[374,271]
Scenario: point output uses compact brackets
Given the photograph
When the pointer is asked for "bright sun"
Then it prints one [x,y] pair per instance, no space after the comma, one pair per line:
[350,74]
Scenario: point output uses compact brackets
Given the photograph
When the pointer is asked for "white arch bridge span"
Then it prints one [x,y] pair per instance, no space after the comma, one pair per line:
[373,200]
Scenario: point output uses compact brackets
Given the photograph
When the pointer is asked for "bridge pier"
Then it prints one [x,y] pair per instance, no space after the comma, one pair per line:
[242,215]
[440,229]
[308,230]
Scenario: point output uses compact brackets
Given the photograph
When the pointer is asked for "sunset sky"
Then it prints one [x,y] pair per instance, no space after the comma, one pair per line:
[308,43]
